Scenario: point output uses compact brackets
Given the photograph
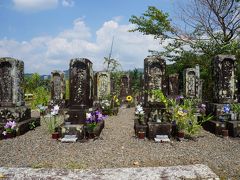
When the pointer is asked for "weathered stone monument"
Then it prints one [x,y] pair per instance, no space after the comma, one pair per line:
[225,93]
[192,83]
[12,95]
[125,86]
[81,96]
[154,77]
[225,79]
[102,85]
[58,87]
[173,83]
[81,89]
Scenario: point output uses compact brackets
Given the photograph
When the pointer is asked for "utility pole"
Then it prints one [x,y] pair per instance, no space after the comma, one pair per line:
[110,54]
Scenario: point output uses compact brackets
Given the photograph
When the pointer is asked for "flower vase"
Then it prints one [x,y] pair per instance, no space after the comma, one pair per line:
[9,135]
[180,134]
[141,134]
[55,135]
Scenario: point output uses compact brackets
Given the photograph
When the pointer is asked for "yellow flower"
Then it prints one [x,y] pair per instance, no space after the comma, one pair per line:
[116,100]
[181,113]
[114,97]
[129,98]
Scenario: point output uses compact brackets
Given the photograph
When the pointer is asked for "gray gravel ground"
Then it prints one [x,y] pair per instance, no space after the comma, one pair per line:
[117,147]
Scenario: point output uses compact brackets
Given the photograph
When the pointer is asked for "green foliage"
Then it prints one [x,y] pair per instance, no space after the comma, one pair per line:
[112,64]
[235,107]
[135,77]
[203,37]
[52,123]
[67,89]
[32,125]
[153,22]
[116,79]
[40,96]
[183,114]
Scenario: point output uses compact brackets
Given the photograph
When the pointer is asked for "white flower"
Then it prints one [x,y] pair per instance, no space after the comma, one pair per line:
[137,112]
[4,133]
[88,115]
[141,112]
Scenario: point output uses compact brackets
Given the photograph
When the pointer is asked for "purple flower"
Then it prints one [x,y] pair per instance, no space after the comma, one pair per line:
[179,97]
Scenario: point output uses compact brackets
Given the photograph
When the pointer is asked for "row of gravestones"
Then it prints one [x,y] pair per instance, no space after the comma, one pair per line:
[155,78]
[81,86]
[103,84]
[225,90]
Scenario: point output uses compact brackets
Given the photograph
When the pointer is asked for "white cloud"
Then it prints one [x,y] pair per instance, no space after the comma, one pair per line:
[68,3]
[34,5]
[40,5]
[44,54]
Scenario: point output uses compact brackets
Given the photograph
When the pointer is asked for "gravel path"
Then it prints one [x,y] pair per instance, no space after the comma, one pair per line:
[117,147]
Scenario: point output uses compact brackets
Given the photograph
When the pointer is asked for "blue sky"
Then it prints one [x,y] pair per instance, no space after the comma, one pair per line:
[46,34]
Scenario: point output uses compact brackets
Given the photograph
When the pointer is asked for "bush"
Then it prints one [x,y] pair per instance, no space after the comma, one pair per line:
[40,96]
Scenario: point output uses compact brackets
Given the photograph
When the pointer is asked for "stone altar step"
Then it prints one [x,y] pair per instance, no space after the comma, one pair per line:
[69,138]
[198,171]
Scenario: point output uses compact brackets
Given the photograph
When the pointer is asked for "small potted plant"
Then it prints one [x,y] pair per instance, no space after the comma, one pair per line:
[52,123]
[9,129]
[92,121]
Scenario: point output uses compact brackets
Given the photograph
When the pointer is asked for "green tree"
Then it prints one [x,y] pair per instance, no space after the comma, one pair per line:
[135,77]
[212,27]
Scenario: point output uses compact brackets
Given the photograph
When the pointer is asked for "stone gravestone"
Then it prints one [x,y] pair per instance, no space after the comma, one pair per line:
[81,88]
[81,96]
[125,86]
[173,84]
[11,71]
[225,80]
[192,83]
[224,93]
[102,82]
[154,77]
[58,87]
[12,95]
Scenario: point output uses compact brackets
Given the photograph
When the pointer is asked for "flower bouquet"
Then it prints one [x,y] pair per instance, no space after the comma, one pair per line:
[139,112]
[9,128]
[92,120]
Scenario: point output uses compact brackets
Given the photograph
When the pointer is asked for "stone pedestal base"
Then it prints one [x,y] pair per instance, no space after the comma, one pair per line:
[139,127]
[20,113]
[158,129]
[233,128]
[23,126]
[77,116]
[215,109]
[215,127]
[72,129]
